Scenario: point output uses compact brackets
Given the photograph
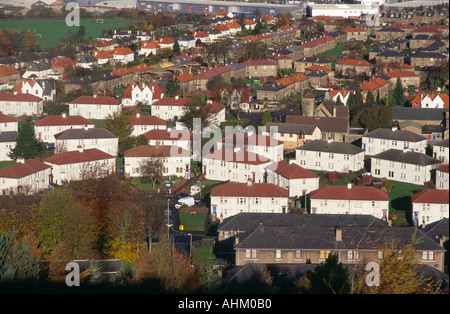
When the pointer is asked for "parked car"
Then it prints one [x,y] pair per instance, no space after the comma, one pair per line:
[195,189]
[183,195]
[189,201]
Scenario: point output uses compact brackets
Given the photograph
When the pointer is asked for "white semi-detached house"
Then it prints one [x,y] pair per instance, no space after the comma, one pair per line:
[168,108]
[403,166]
[8,123]
[297,180]
[235,165]
[46,128]
[232,198]
[123,55]
[262,145]
[87,138]
[173,164]
[170,137]
[352,200]
[441,151]
[430,206]
[80,165]
[442,177]
[8,141]
[25,176]
[144,123]
[95,107]
[330,156]
[19,104]
[43,89]
[381,140]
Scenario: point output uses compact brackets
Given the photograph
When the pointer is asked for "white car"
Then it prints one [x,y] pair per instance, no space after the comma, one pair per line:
[189,201]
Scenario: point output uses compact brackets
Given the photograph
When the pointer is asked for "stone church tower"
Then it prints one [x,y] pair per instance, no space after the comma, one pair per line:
[308,105]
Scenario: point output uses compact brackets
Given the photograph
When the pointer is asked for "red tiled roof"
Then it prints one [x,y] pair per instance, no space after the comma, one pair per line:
[210,73]
[20,170]
[62,62]
[102,54]
[444,168]
[200,34]
[430,29]
[252,190]
[353,29]
[374,84]
[294,171]
[353,61]
[150,45]
[60,120]
[166,40]
[340,192]
[158,91]
[258,62]
[156,151]
[8,70]
[76,156]
[184,78]
[253,139]
[172,101]
[239,157]
[122,51]
[5,119]
[431,196]
[399,74]
[147,120]
[19,97]
[172,135]
[98,100]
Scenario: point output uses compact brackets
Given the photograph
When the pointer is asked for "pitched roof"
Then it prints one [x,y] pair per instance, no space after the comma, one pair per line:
[431,196]
[8,136]
[333,147]
[147,120]
[342,192]
[62,120]
[62,62]
[172,135]
[122,51]
[172,101]
[5,118]
[294,171]
[8,70]
[19,97]
[249,190]
[150,45]
[239,157]
[157,90]
[353,61]
[374,84]
[156,151]
[20,170]
[325,124]
[398,135]
[392,74]
[76,156]
[252,139]
[408,157]
[81,133]
[96,100]
[257,62]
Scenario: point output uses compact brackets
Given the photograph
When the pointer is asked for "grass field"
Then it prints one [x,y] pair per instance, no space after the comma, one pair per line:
[50,33]
[193,222]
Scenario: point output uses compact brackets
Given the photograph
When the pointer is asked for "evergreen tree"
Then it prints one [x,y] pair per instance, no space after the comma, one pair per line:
[399,97]
[172,87]
[267,117]
[27,145]
[176,47]
[370,100]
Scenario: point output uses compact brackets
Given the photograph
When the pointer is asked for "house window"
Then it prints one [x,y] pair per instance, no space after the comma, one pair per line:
[352,255]
[251,254]
[277,254]
[298,254]
[324,254]
[428,256]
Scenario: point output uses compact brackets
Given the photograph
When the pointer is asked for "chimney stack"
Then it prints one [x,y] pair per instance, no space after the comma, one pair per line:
[80,148]
[21,160]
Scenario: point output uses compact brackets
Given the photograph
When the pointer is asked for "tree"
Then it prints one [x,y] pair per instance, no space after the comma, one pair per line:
[152,170]
[29,42]
[119,124]
[399,96]
[354,101]
[17,264]
[176,47]
[372,117]
[197,107]
[370,100]
[27,145]
[172,87]
[329,277]
[266,117]
[51,212]
[399,273]
[209,277]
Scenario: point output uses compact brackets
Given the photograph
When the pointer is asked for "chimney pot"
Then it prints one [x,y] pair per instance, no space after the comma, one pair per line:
[338,232]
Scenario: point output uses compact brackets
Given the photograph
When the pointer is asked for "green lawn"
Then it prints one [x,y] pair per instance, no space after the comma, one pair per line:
[99,123]
[202,255]
[49,33]
[336,51]
[192,221]
[4,164]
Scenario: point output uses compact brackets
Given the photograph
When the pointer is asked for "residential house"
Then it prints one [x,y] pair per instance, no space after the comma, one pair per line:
[9,74]
[330,156]
[353,66]
[146,94]
[43,89]
[137,158]
[186,41]
[80,164]
[429,206]
[430,100]
[383,139]
[202,36]
[123,55]
[46,127]
[309,243]
[8,123]
[435,31]
[144,123]
[423,116]
[339,95]
[403,166]
[170,137]
[297,180]
[441,151]
[389,33]
[407,78]
[292,135]
[87,138]
[420,41]
[232,198]
[38,70]
[282,61]
[18,104]
[167,108]
[166,42]
[234,27]
[387,56]
[350,200]
[260,68]
[86,61]
[149,47]
[356,33]
[235,165]
[25,176]
[95,107]
[213,34]
[442,180]
[8,140]
[423,59]
[333,128]
[331,110]
[379,88]
[103,57]
[301,64]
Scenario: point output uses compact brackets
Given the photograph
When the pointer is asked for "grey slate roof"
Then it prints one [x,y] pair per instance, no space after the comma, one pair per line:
[443,143]
[333,147]
[409,113]
[408,157]
[398,135]
[291,128]
[437,229]
[8,136]
[91,133]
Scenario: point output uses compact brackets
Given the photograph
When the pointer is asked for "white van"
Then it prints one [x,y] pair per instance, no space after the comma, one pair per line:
[189,201]
[195,189]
